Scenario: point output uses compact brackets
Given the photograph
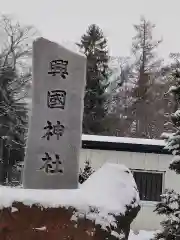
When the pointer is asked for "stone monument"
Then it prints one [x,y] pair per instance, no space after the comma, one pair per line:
[55,128]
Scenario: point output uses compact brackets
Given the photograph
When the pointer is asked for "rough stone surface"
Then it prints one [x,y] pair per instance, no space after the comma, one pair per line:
[54,138]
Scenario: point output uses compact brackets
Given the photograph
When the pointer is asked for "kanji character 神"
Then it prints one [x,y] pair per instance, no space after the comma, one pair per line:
[56,129]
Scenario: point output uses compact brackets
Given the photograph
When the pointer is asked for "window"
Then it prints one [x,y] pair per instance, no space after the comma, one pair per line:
[149,185]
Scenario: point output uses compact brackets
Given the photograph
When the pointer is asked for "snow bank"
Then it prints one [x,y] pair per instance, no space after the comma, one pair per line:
[105,194]
[123,140]
[113,187]
[45,198]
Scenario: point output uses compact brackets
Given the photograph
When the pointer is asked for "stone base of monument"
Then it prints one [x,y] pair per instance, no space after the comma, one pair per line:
[102,208]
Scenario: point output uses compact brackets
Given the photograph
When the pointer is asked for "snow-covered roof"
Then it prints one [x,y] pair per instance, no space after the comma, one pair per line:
[108,190]
[112,139]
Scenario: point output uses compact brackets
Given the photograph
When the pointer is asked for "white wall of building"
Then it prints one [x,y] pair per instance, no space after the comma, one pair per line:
[146,219]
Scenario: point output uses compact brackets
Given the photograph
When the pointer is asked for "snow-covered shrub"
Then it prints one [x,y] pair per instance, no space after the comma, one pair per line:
[86,172]
[170,200]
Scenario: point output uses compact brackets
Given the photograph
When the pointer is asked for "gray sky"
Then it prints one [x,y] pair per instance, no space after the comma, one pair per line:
[67,20]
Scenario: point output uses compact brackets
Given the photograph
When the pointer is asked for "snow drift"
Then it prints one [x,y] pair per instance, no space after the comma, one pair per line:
[107,196]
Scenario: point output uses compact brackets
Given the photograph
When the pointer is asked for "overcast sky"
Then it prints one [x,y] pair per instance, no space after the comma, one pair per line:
[67,20]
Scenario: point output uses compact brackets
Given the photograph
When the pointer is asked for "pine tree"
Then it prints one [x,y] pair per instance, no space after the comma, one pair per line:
[146,71]
[94,45]
[170,200]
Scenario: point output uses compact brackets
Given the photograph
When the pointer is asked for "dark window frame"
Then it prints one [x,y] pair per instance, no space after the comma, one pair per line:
[147,191]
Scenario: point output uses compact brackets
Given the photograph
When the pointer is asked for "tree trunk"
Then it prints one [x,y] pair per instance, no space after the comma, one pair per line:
[5,162]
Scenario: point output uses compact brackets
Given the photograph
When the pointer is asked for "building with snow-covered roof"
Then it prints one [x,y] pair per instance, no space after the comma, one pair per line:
[147,159]
[149,162]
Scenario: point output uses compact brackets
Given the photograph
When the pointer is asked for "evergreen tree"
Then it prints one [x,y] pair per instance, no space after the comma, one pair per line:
[94,45]
[146,72]
[170,200]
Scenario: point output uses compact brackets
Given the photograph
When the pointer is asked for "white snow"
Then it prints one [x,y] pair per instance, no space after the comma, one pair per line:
[41,228]
[175,159]
[13,209]
[166,135]
[172,88]
[142,235]
[117,235]
[123,140]
[102,196]
[177,113]
[107,185]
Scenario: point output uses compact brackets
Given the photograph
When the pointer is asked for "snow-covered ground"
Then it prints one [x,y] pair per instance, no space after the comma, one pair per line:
[142,235]
[99,198]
